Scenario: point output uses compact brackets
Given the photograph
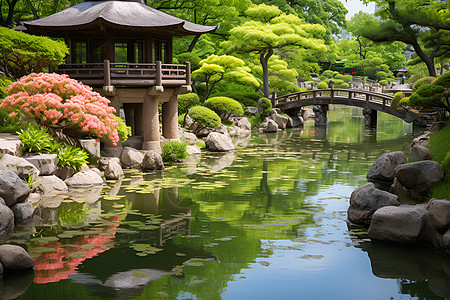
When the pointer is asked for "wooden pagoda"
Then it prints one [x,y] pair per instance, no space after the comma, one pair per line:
[123,49]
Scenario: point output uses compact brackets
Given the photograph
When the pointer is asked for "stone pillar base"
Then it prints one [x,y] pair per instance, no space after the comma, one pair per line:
[320,114]
[112,151]
[152,145]
[370,118]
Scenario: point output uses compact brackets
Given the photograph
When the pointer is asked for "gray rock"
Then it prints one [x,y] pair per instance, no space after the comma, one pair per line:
[131,158]
[23,212]
[6,222]
[280,120]
[252,110]
[65,172]
[402,224]
[193,150]
[419,152]
[188,137]
[45,163]
[134,141]
[268,126]
[152,161]
[421,140]
[419,176]
[10,144]
[15,258]
[218,142]
[404,194]
[113,170]
[85,179]
[439,214]
[92,146]
[244,123]
[18,165]
[48,184]
[446,241]
[383,168]
[365,200]
[12,188]
[103,162]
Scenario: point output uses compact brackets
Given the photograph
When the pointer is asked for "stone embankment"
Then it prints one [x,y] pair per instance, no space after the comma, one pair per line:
[400,214]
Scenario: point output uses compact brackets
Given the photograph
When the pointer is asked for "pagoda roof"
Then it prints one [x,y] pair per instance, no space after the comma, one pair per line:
[132,15]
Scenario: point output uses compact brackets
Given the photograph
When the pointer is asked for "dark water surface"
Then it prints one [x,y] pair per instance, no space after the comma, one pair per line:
[267,221]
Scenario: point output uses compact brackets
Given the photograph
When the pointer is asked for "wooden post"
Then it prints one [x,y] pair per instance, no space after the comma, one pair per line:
[158,73]
[367,100]
[107,72]
[314,95]
[188,73]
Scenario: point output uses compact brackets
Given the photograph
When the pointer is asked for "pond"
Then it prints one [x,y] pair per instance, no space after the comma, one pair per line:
[267,221]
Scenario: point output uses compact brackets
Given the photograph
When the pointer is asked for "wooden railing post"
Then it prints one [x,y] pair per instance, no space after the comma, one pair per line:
[158,73]
[367,100]
[314,95]
[107,71]
[188,73]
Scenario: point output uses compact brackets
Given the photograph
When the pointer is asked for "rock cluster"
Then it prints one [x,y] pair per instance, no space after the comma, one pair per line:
[388,218]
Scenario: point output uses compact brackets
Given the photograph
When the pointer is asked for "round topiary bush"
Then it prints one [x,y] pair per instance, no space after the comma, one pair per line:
[383,82]
[266,104]
[225,107]
[423,80]
[173,151]
[187,100]
[204,117]
[322,85]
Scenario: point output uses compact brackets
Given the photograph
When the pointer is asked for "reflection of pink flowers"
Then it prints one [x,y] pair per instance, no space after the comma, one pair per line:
[56,265]
[57,101]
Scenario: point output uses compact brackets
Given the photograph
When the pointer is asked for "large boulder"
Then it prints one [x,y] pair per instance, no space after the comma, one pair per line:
[10,144]
[92,146]
[6,222]
[131,158]
[419,176]
[113,169]
[48,184]
[152,161]
[280,120]
[244,123]
[84,179]
[218,142]
[402,224]
[23,212]
[18,165]
[365,200]
[15,258]
[268,125]
[103,162]
[383,167]
[12,188]
[188,137]
[193,150]
[419,152]
[439,214]
[45,163]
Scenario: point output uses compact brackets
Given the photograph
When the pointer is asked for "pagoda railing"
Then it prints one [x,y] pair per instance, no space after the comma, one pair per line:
[128,74]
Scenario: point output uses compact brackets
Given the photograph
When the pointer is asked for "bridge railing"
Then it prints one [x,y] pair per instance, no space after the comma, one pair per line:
[362,95]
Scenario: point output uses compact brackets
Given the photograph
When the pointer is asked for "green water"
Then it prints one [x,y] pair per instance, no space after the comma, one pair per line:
[267,221]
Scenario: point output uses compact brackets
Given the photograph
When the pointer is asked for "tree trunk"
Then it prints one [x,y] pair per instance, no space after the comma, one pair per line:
[193,43]
[428,60]
[33,10]
[264,59]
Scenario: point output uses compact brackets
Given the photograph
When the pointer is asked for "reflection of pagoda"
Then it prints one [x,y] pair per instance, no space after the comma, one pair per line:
[124,50]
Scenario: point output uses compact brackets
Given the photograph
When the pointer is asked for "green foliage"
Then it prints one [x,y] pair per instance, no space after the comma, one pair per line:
[396,101]
[72,213]
[191,57]
[21,53]
[433,95]
[255,120]
[35,139]
[383,82]
[173,151]
[4,84]
[340,84]
[244,94]
[200,144]
[329,74]
[72,157]
[322,85]
[204,116]
[266,103]
[439,144]
[185,101]
[424,80]
[123,130]
[224,107]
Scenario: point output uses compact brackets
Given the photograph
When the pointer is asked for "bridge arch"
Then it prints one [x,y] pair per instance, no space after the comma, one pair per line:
[370,101]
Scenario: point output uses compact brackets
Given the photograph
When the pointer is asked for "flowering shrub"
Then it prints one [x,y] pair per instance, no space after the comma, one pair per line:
[61,103]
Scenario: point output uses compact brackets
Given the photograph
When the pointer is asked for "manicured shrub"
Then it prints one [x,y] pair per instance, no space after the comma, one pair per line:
[173,151]
[224,107]
[4,84]
[347,78]
[322,85]
[340,84]
[123,130]
[204,117]
[383,82]
[423,80]
[185,101]
[61,103]
[266,104]
[339,76]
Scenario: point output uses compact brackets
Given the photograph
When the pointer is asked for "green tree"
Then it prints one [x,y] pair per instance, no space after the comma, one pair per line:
[269,31]
[21,53]
[424,24]
[225,67]
[434,95]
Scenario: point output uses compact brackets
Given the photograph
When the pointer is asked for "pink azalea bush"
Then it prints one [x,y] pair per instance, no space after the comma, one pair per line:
[58,102]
